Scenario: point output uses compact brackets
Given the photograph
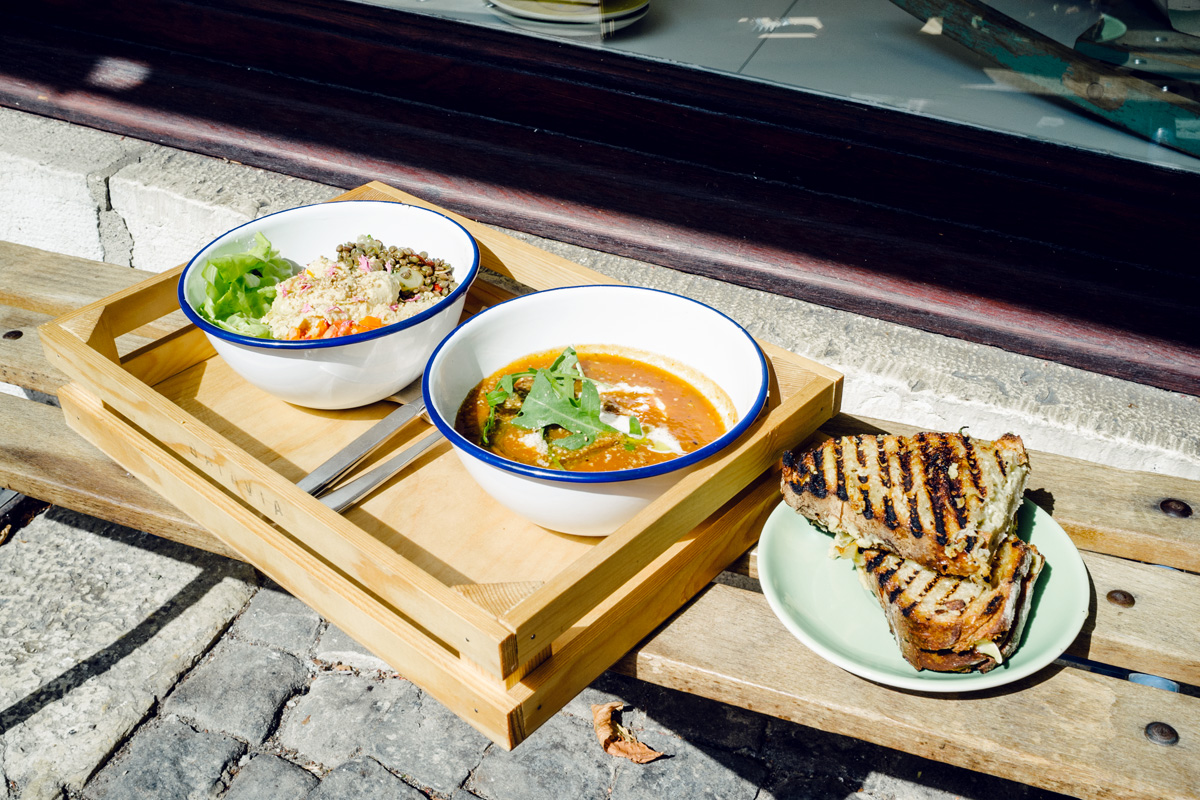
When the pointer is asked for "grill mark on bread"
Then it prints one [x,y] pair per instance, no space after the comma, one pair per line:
[954,465]
[972,459]
[885,467]
[1000,462]
[935,488]
[914,518]
[948,588]
[860,456]
[839,461]
[889,514]
[906,471]
[816,484]
[868,511]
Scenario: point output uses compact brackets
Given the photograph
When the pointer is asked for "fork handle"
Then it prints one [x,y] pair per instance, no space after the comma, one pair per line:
[352,492]
[345,459]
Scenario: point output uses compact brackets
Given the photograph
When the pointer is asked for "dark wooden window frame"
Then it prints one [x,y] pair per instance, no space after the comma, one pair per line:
[1049,250]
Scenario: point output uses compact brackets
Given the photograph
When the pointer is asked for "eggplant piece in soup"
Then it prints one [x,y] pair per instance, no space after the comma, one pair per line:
[597,409]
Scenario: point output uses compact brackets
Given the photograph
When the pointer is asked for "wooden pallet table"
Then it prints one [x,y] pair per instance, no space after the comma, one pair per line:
[1081,732]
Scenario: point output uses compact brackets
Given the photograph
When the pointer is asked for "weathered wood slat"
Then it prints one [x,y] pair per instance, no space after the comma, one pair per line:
[22,362]
[1158,634]
[1062,729]
[52,284]
[60,467]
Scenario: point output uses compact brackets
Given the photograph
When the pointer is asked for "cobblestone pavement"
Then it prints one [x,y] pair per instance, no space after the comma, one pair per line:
[133,667]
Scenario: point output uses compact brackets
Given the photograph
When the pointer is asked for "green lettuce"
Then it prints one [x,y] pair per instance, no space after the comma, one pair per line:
[240,287]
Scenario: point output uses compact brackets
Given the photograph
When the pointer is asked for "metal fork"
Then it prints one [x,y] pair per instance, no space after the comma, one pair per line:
[412,404]
[355,490]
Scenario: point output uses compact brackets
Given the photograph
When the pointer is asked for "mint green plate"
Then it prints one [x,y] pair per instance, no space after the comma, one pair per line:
[821,601]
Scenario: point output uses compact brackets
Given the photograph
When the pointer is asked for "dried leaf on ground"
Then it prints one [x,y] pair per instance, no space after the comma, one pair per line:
[616,739]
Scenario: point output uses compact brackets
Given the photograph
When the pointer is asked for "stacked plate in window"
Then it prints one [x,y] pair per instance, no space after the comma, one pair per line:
[571,17]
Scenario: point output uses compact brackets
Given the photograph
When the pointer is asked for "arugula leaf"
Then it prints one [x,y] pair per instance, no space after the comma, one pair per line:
[552,400]
[240,287]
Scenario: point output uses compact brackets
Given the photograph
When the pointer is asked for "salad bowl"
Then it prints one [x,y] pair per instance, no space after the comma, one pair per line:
[350,370]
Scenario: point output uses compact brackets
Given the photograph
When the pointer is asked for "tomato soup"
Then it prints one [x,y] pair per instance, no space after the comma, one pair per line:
[637,411]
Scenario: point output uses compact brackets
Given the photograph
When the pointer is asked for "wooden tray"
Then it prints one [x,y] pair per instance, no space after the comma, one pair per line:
[502,621]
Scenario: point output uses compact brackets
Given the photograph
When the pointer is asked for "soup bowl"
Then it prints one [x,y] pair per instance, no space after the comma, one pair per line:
[677,329]
[359,368]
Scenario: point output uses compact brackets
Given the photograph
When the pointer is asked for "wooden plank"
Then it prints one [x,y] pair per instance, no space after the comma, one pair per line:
[1062,729]
[1158,634]
[22,360]
[53,284]
[60,467]
[1119,512]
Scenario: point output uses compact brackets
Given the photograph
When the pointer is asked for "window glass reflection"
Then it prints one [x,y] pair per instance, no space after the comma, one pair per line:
[877,52]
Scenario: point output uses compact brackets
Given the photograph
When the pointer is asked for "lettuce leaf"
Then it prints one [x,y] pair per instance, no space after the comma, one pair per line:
[240,287]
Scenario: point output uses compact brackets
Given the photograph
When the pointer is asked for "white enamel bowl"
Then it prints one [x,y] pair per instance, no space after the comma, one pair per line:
[347,371]
[671,326]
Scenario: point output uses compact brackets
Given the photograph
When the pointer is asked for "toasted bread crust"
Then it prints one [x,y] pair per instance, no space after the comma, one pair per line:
[940,621]
[943,500]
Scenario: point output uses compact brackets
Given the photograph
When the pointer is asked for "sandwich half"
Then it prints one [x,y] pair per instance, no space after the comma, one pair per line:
[943,500]
[950,624]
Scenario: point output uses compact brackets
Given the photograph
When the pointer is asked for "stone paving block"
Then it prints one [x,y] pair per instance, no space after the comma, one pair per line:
[268,777]
[701,720]
[238,689]
[342,713]
[277,619]
[364,778]
[610,687]
[390,719]
[687,771]
[167,760]
[97,622]
[437,749]
[809,763]
[337,647]
[562,759]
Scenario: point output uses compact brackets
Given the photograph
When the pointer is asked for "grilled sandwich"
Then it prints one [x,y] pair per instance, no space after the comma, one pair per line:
[949,624]
[943,500]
